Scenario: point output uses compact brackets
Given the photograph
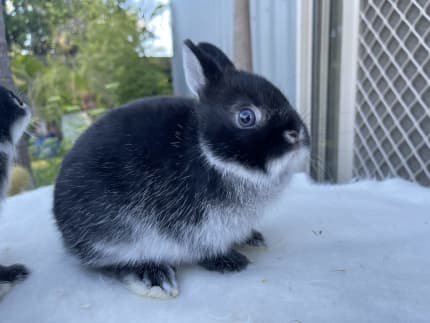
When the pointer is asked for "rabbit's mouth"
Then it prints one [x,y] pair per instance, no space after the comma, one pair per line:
[291,162]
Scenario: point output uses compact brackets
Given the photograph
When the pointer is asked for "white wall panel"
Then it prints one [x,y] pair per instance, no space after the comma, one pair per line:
[273,28]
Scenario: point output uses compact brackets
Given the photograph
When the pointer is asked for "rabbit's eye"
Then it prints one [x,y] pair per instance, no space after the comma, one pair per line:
[246,118]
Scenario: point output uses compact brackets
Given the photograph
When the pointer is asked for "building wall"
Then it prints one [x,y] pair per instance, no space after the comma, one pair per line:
[273,29]
[199,20]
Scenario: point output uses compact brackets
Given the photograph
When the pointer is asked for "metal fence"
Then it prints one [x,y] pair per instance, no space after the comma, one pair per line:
[392,127]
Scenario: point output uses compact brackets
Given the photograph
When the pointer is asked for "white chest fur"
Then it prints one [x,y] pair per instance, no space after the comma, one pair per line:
[7,150]
[225,226]
[220,228]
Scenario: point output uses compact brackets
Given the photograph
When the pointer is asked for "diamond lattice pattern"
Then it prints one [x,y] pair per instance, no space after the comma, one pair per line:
[392,129]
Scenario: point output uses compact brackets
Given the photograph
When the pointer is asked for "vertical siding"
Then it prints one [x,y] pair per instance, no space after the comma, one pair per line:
[199,20]
[273,25]
[273,29]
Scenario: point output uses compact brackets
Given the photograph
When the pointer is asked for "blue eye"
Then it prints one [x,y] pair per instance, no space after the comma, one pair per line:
[246,118]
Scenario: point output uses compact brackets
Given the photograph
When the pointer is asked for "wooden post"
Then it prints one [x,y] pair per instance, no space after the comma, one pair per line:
[5,73]
[242,36]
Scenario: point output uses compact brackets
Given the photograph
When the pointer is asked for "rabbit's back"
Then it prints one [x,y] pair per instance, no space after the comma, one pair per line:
[136,168]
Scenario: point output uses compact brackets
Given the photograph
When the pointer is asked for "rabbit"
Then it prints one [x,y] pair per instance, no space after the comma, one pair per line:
[165,181]
[14,118]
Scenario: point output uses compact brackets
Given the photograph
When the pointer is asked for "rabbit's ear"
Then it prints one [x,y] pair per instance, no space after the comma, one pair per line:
[200,68]
[217,55]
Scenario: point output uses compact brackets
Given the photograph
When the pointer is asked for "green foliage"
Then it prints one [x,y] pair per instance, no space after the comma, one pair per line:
[111,55]
[80,55]
[31,23]
[69,50]
[26,66]
[20,180]
[45,171]
[54,91]
[150,76]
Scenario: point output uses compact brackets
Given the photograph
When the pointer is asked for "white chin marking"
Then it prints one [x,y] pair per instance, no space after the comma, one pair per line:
[287,164]
[143,288]
[290,163]
[229,168]
[4,289]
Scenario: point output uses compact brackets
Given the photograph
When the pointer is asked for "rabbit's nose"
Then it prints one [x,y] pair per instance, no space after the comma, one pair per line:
[292,136]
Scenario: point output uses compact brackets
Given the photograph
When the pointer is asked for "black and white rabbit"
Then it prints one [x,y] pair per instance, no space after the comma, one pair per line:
[166,180]
[14,118]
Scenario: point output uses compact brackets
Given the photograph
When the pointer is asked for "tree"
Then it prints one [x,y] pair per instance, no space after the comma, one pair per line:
[5,72]
[32,23]
[111,56]
[71,55]
[66,53]
[96,53]
[6,80]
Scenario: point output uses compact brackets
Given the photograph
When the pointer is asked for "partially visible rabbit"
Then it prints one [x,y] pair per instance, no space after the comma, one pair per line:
[163,181]
[14,117]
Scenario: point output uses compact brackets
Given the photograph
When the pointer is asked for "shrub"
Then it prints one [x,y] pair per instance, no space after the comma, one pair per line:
[45,171]
[20,180]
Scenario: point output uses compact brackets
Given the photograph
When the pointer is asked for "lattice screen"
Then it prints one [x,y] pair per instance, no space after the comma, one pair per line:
[392,130]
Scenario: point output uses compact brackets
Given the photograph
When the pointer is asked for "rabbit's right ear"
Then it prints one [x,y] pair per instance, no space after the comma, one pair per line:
[199,67]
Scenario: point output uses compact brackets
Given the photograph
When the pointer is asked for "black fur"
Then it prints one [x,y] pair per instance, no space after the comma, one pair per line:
[153,274]
[256,239]
[12,112]
[117,155]
[4,169]
[12,274]
[228,90]
[143,163]
[233,261]
[217,55]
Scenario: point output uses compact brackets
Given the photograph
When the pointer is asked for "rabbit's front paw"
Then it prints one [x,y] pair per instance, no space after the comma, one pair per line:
[10,275]
[256,239]
[13,273]
[232,261]
[152,280]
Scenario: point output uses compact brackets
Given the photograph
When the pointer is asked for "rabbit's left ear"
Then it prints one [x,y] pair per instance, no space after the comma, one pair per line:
[217,55]
[200,69]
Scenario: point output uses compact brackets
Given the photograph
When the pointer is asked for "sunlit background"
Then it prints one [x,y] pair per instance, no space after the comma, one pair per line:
[357,71]
[74,60]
